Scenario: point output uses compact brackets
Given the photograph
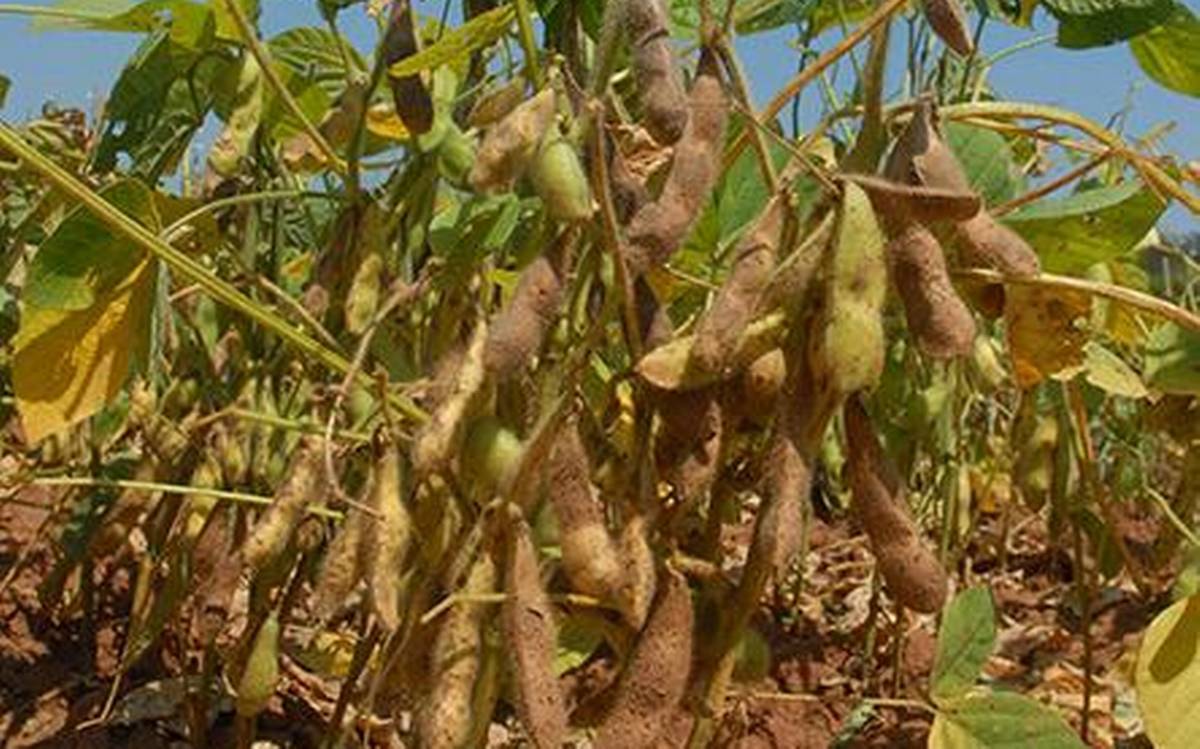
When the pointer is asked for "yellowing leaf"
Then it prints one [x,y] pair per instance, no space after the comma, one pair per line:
[1167,680]
[382,121]
[67,364]
[475,34]
[1046,331]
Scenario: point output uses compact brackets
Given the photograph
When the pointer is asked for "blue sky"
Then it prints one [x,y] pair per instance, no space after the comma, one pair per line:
[75,68]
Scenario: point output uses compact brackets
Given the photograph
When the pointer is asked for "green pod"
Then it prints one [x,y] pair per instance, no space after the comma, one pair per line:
[261,674]
[491,454]
[560,181]
[363,299]
[455,155]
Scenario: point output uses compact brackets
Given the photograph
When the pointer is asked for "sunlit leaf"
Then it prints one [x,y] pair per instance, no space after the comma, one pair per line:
[1095,23]
[1047,330]
[1170,53]
[1094,226]
[987,159]
[1000,720]
[1173,360]
[1167,680]
[1109,372]
[965,640]
[459,42]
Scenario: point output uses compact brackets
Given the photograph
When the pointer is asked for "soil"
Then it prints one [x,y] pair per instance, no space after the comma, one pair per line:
[833,679]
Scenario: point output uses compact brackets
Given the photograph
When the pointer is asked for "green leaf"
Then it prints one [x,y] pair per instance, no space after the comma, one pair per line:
[5,84]
[578,638]
[83,260]
[763,15]
[965,641]
[115,15]
[1096,23]
[1094,226]
[311,65]
[987,159]
[1170,53]
[459,42]
[1109,372]
[1172,362]
[86,317]
[1000,720]
[1167,680]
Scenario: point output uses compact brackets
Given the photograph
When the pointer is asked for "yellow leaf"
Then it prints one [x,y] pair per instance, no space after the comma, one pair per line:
[1046,331]
[67,364]
[382,121]
[1167,680]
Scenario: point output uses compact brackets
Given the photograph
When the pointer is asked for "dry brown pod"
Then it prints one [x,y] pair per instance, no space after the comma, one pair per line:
[984,242]
[938,318]
[589,556]
[761,385]
[510,145]
[911,571]
[921,156]
[446,720]
[788,482]
[638,579]
[687,446]
[413,103]
[438,442]
[898,203]
[656,677]
[657,230]
[301,485]
[531,639]
[738,299]
[949,21]
[517,333]
[664,105]
[495,104]
[342,567]
[388,538]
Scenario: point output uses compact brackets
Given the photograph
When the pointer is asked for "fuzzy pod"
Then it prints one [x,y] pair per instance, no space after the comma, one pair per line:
[342,566]
[456,155]
[389,538]
[363,299]
[558,177]
[497,103]
[638,580]
[722,325]
[913,575]
[655,680]
[937,317]
[761,384]
[302,484]
[898,203]
[531,639]
[657,230]
[509,146]
[589,556]
[949,21]
[260,675]
[788,483]
[445,719]
[628,192]
[414,105]
[983,242]
[687,447]
[517,333]
[664,104]
[847,352]
[921,156]
[440,439]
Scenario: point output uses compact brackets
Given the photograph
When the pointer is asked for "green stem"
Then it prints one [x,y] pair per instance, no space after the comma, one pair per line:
[69,14]
[153,486]
[532,67]
[186,266]
[260,52]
